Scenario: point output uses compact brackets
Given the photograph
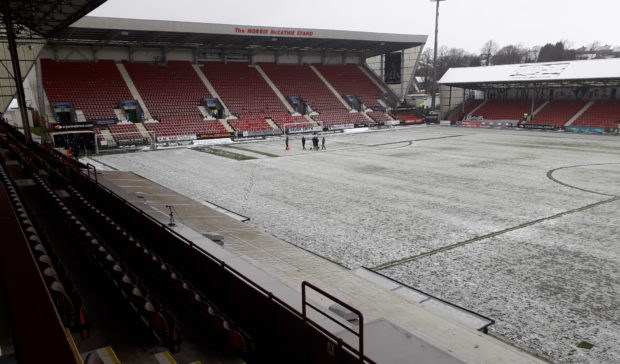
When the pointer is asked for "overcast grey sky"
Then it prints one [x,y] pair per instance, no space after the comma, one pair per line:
[466,24]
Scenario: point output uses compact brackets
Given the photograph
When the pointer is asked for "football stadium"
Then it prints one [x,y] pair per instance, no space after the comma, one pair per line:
[182,192]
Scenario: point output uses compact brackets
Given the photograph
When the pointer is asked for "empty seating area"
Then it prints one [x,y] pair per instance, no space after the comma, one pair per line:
[282,119]
[507,109]
[185,128]
[141,278]
[96,88]
[557,112]
[166,278]
[148,308]
[408,118]
[350,80]
[602,113]
[245,93]
[469,107]
[60,286]
[341,117]
[171,92]
[300,80]
[378,116]
[127,132]
[250,122]
[83,239]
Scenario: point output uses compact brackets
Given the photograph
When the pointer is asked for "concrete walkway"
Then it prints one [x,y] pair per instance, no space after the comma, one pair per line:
[281,267]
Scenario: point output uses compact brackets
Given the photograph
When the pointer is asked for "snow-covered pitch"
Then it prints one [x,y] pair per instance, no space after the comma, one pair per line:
[521,226]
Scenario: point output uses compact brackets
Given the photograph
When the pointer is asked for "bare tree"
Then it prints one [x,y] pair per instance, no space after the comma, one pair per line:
[446,59]
[425,68]
[510,54]
[488,51]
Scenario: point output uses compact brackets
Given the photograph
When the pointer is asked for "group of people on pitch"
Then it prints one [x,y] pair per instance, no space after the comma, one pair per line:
[315,142]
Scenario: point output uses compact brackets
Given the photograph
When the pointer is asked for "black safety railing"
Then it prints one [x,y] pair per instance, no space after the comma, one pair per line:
[78,173]
[360,318]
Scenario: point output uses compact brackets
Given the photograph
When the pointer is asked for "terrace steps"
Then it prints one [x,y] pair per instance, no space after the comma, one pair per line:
[540,108]
[226,125]
[142,130]
[210,87]
[374,80]
[272,123]
[107,136]
[477,108]
[120,115]
[203,111]
[330,87]
[275,89]
[133,89]
[579,113]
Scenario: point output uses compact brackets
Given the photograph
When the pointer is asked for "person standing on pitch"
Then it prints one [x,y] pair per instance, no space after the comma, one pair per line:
[286,142]
[303,142]
[323,143]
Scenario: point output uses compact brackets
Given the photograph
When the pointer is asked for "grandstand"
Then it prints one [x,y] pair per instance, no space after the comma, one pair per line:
[573,95]
[165,95]
[111,273]
[193,89]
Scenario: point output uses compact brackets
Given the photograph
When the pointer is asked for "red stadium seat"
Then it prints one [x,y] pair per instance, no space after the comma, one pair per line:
[172,93]
[602,113]
[350,80]
[96,88]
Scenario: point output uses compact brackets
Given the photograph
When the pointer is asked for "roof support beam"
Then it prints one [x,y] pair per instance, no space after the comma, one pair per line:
[17,73]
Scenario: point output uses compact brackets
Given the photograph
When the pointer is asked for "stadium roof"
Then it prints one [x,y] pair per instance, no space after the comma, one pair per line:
[158,33]
[48,17]
[593,73]
[33,20]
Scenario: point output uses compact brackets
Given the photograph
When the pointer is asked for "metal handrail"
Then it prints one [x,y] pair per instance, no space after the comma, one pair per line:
[360,334]
[88,166]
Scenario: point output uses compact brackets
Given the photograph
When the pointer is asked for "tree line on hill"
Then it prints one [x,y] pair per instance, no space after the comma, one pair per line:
[491,54]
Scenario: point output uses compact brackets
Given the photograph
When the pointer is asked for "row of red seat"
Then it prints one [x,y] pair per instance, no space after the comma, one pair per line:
[168,279]
[125,132]
[469,107]
[340,117]
[558,112]
[96,88]
[170,91]
[245,93]
[378,116]
[349,79]
[173,91]
[603,113]
[301,81]
[282,119]
[170,127]
[60,286]
[507,109]
[147,307]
